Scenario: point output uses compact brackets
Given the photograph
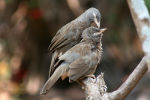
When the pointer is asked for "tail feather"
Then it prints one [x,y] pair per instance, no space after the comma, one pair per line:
[51,81]
[52,68]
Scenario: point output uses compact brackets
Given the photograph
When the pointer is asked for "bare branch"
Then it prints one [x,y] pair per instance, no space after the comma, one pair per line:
[131,81]
[95,88]
[141,20]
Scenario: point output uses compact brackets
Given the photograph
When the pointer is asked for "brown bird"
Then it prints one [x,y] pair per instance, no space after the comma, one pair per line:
[70,34]
[80,61]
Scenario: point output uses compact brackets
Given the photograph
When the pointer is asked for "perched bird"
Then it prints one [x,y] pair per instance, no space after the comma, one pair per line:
[80,61]
[70,34]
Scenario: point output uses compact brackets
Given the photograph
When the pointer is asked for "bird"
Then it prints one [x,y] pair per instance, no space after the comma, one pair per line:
[70,34]
[80,61]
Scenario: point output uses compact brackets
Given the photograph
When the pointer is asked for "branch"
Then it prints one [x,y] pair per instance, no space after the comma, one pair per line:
[96,89]
[131,81]
[141,20]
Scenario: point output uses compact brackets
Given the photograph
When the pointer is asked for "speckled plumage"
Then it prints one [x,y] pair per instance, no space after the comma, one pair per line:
[79,61]
[70,34]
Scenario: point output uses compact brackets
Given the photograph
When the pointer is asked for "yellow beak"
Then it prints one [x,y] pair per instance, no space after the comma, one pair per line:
[97,23]
[102,30]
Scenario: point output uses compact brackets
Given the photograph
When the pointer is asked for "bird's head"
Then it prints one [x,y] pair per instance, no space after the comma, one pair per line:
[93,33]
[93,16]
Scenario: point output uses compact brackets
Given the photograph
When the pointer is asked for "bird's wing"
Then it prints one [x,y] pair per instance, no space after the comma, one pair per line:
[64,36]
[82,67]
[76,52]
[70,55]
[53,61]
[58,41]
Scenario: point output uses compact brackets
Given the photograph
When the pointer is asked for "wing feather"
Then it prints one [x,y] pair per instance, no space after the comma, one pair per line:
[82,67]
[64,36]
[81,49]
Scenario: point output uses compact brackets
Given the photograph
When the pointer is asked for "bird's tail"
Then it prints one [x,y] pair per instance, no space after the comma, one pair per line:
[53,60]
[51,81]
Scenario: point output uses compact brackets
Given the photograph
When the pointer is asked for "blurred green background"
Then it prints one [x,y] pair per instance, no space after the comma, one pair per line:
[26,29]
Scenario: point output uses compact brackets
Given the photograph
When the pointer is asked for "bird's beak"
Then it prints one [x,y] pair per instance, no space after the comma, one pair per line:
[97,23]
[102,30]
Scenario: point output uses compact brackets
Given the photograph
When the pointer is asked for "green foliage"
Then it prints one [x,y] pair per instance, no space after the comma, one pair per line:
[148,4]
